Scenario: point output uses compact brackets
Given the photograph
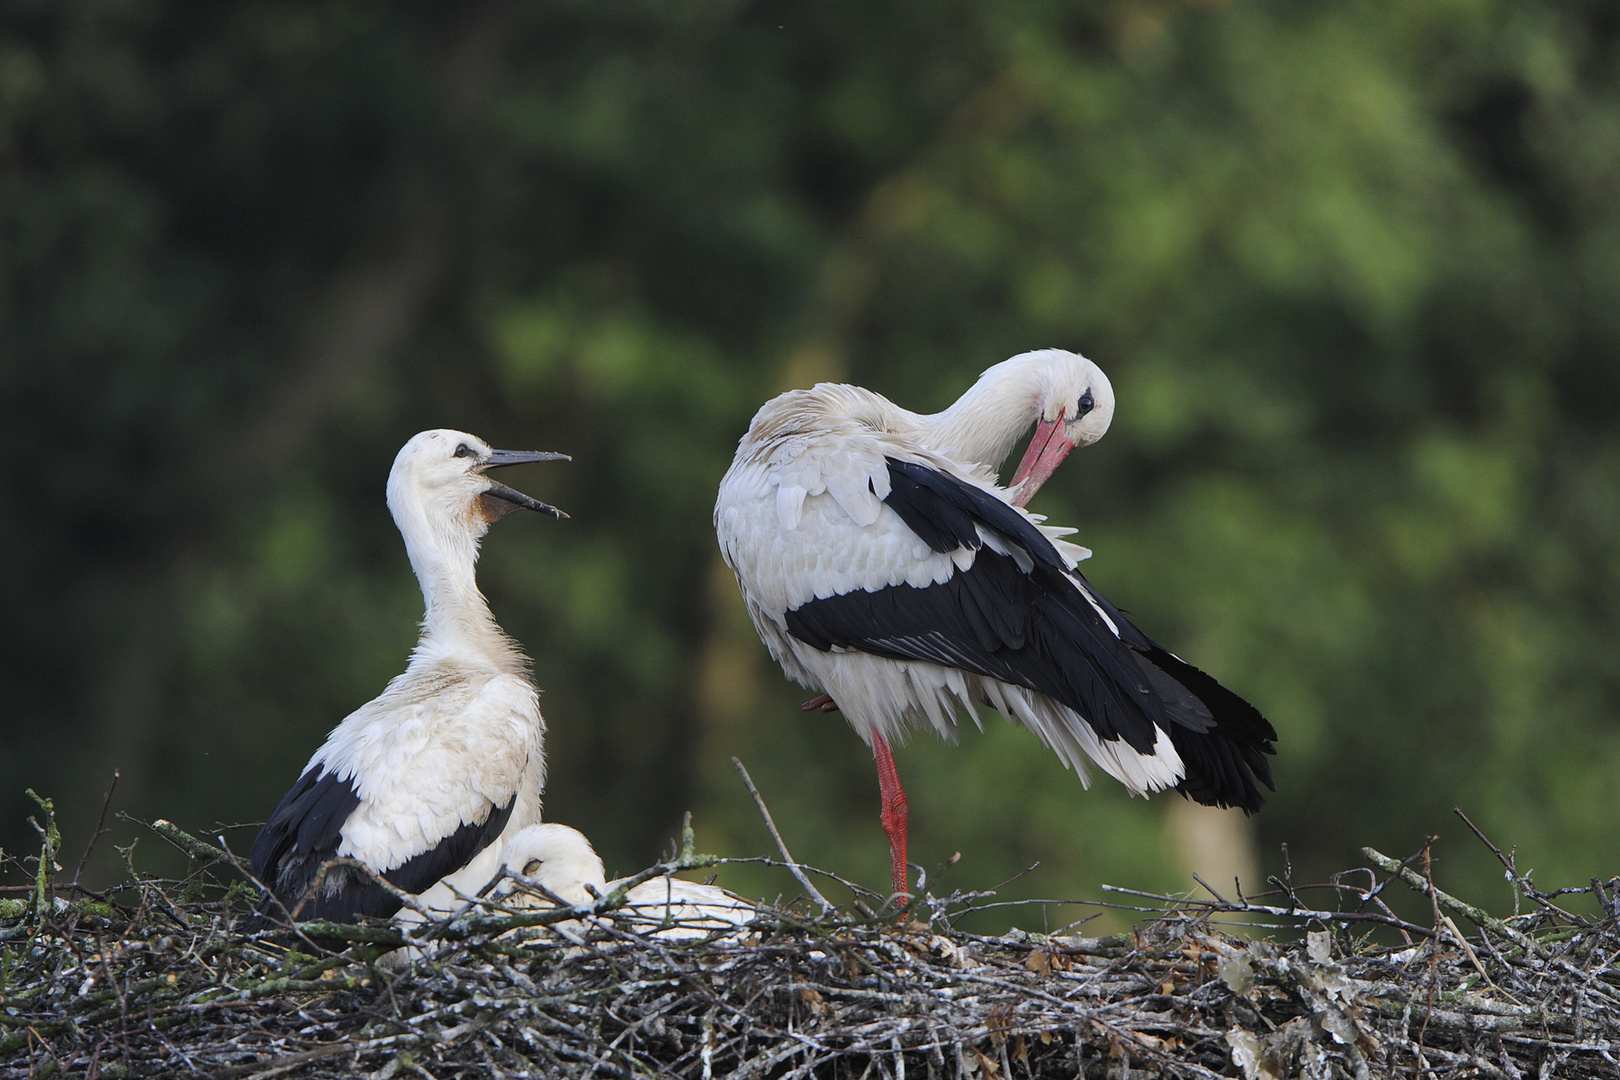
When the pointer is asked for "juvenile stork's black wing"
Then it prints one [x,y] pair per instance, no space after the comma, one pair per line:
[1018,614]
[305,832]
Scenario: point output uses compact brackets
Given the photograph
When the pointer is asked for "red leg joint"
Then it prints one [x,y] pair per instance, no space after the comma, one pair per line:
[896,815]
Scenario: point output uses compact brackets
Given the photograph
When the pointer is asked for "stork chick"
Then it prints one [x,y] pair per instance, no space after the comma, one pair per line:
[561,861]
[418,784]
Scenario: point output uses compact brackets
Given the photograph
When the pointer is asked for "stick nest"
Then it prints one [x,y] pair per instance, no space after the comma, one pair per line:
[154,980]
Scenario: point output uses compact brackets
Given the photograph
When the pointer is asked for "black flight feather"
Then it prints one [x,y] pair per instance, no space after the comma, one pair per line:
[1032,626]
[305,831]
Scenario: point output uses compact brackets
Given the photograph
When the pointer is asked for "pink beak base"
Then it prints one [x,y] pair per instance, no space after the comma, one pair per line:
[1046,451]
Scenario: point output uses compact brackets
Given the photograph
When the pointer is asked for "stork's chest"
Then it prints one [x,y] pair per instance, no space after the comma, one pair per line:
[444,716]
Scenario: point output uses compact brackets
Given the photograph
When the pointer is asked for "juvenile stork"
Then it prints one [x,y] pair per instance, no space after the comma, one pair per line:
[417,784]
[561,861]
[883,565]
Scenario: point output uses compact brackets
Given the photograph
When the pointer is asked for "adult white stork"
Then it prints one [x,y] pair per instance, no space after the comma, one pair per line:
[882,564]
[560,860]
[419,783]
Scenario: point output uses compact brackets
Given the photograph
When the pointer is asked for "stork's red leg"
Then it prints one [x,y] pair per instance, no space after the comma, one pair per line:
[895,814]
[824,702]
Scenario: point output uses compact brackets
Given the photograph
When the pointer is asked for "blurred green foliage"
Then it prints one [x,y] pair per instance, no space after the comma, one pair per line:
[1354,270]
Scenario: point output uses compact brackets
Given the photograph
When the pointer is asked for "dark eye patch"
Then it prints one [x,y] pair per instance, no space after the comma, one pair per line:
[464,451]
[1087,403]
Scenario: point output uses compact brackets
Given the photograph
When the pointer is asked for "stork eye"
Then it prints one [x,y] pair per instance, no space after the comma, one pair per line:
[464,451]
[531,868]
[1086,404]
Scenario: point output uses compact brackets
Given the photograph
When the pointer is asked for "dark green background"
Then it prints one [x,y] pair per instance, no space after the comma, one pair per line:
[1354,270]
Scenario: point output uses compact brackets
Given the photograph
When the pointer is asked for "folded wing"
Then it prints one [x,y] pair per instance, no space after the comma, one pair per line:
[1004,604]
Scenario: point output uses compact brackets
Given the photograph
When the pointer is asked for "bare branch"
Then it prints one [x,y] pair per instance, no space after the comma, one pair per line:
[792,864]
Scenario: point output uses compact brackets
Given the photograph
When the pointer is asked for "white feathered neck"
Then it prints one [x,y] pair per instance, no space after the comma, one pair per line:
[441,539]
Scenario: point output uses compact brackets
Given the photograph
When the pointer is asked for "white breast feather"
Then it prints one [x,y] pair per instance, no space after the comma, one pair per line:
[433,754]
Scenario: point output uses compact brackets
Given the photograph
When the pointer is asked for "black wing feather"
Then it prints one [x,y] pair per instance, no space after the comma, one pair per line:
[305,831]
[1051,655]
[1031,626]
[945,512]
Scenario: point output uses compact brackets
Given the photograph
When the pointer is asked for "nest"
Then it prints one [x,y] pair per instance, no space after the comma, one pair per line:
[154,979]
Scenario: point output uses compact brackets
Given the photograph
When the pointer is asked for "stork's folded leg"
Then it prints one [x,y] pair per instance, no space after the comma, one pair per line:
[825,703]
[895,813]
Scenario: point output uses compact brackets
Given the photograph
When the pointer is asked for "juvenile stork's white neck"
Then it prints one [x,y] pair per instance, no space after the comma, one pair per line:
[444,553]
[443,502]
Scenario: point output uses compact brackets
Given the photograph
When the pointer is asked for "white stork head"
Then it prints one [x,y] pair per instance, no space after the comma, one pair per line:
[1074,404]
[441,475]
[557,857]
[444,503]
[1066,397]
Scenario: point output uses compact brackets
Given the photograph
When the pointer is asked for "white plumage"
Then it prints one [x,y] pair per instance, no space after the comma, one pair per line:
[883,565]
[562,862]
[420,783]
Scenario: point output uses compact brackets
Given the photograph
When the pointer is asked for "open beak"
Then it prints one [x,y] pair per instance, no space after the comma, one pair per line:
[1046,451]
[501,500]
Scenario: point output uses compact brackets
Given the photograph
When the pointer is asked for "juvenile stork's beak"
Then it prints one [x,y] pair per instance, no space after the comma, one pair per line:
[1046,451]
[500,500]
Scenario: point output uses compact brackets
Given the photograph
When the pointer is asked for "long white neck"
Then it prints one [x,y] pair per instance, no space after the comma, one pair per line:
[985,422]
[457,623]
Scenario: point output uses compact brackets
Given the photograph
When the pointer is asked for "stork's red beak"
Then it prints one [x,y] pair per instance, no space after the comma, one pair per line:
[1046,451]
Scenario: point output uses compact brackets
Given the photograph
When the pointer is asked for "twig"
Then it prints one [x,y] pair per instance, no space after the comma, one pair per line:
[1299,912]
[1211,891]
[792,864]
[197,849]
[1458,907]
[1525,886]
[101,829]
[1434,946]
